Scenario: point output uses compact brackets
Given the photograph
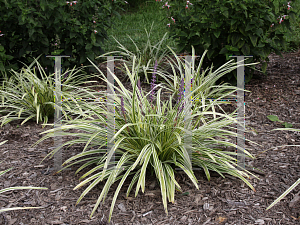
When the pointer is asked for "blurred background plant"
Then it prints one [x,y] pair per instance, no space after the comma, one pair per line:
[228,28]
[75,28]
[148,138]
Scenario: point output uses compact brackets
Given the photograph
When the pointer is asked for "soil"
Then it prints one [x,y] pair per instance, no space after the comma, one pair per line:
[218,201]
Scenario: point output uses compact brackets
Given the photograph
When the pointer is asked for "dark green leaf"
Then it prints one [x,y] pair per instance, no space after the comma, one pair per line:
[235,38]
[225,13]
[217,33]
[259,32]
[210,53]
[243,6]
[249,27]
[241,43]
[253,39]
[264,67]
[2,68]
[72,35]
[223,50]
[206,38]
[261,45]
[268,18]
[246,50]
[292,16]
[88,46]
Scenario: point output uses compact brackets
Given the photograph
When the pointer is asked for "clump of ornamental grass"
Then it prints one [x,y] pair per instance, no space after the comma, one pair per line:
[149,137]
[25,96]
[16,188]
[204,79]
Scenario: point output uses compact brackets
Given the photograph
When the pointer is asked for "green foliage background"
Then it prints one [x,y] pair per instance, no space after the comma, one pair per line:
[231,27]
[32,28]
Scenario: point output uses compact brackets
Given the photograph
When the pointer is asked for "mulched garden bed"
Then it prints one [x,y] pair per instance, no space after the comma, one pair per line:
[220,201]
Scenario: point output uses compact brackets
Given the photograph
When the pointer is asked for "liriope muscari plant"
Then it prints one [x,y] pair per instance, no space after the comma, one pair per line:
[204,79]
[16,188]
[25,96]
[149,137]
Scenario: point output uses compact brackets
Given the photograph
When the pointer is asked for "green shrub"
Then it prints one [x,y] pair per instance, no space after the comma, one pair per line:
[30,28]
[229,27]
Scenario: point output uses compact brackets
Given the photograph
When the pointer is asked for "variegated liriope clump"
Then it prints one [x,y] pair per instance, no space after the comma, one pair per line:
[25,96]
[150,135]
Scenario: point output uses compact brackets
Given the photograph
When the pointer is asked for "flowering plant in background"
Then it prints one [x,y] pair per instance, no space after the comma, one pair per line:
[227,28]
[31,26]
[147,139]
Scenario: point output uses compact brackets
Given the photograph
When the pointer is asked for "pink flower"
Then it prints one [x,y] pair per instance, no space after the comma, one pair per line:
[168,24]
[95,31]
[94,21]
[70,3]
[280,20]
[75,2]
[126,2]
[272,25]
[67,3]
[186,6]
[55,44]
[166,4]
[173,19]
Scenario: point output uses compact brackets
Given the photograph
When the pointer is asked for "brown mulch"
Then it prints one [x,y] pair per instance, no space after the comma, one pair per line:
[219,201]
